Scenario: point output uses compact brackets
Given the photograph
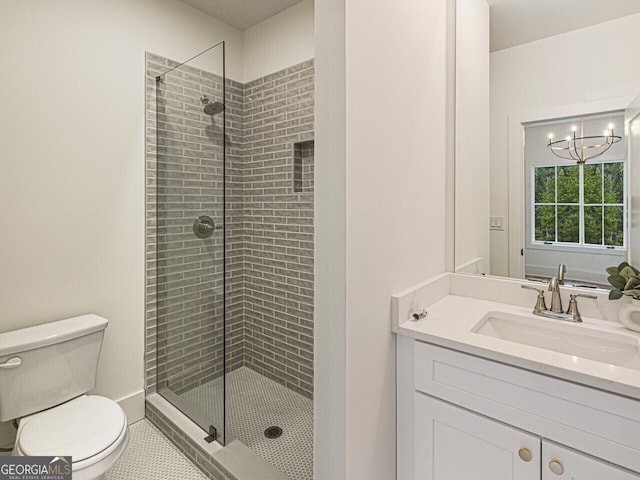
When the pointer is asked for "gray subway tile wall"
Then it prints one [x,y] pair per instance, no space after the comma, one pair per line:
[269,227]
[278,332]
[184,297]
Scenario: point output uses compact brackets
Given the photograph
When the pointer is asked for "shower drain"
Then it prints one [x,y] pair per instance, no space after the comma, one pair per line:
[273,432]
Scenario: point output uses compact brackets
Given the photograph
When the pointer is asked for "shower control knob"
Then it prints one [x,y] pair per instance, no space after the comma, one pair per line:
[203,226]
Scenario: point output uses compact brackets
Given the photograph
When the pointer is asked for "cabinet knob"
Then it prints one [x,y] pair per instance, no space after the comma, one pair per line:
[556,467]
[525,454]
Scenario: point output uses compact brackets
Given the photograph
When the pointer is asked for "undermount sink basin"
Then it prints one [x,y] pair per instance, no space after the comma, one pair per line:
[578,340]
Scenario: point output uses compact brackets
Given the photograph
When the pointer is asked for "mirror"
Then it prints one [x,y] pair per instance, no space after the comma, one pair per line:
[526,69]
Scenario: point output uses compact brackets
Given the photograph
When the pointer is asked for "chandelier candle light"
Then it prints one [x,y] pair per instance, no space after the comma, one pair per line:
[580,149]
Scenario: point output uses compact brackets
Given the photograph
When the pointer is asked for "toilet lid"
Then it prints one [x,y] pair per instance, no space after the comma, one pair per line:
[82,428]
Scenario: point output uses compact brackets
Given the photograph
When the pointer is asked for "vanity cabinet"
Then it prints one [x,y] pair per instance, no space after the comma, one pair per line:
[462,416]
[453,443]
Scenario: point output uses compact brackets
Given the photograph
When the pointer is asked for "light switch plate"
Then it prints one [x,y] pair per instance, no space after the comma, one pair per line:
[496,223]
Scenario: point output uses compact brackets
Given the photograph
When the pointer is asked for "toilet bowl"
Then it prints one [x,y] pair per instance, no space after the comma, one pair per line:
[45,374]
[91,429]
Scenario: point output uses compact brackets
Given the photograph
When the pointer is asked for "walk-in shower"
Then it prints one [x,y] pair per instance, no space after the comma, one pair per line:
[230,254]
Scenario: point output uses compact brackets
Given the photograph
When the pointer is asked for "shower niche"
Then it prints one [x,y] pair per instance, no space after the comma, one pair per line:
[303,166]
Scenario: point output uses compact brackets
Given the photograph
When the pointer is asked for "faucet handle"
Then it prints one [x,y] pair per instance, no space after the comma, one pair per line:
[575,295]
[529,287]
[540,302]
[573,305]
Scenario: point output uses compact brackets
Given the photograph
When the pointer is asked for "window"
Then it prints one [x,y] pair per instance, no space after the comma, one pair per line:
[579,204]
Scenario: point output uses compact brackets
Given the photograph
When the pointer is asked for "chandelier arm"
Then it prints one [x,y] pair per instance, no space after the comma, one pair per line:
[599,154]
[554,149]
[562,156]
[575,150]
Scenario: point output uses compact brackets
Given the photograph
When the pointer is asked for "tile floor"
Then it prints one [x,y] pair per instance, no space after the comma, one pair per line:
[256,403]
[151,456]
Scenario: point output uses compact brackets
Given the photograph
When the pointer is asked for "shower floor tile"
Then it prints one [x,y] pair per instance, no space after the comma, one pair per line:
[255,403]
[151,456]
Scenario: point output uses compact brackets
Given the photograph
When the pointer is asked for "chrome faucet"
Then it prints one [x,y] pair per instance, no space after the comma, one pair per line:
[556,300]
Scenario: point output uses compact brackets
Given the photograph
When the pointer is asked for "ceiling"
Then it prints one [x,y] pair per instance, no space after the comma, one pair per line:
[514,22]
[242,14]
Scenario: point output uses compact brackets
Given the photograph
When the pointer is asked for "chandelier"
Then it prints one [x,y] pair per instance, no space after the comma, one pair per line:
[581,148]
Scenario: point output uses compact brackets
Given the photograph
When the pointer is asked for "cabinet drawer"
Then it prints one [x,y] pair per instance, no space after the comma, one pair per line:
[599,423]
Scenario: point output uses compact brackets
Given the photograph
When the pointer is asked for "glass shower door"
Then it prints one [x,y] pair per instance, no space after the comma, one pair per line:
[190,238]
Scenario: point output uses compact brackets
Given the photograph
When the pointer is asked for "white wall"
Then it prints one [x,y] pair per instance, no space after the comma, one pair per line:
[472,136]
[389,199]
[582,66]
[329,404]
[278,42]
[72,154]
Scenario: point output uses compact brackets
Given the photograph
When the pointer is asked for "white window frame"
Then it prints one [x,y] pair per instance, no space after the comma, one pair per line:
[581,245]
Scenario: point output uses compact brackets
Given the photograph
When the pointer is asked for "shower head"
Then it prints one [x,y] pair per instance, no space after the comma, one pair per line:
[211,108]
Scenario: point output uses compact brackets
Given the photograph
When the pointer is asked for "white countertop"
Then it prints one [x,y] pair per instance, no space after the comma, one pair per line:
[450,320]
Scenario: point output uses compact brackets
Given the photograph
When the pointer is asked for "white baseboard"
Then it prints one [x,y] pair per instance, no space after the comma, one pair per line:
[133,406]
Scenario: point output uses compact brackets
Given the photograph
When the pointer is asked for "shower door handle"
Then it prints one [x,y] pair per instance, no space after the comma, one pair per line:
[203,226]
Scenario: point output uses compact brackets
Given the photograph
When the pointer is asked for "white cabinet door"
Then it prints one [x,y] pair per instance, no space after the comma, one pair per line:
[562,463]
[454,444]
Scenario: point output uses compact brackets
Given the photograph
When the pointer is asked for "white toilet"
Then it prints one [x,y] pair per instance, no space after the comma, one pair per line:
[45,372]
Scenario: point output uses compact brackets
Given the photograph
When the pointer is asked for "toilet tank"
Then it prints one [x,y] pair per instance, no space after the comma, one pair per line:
[48,364]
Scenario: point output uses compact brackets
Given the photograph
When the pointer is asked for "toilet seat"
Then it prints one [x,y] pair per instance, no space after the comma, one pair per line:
[89,428]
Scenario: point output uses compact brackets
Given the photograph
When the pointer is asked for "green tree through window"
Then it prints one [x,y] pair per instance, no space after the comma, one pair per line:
[579,204]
